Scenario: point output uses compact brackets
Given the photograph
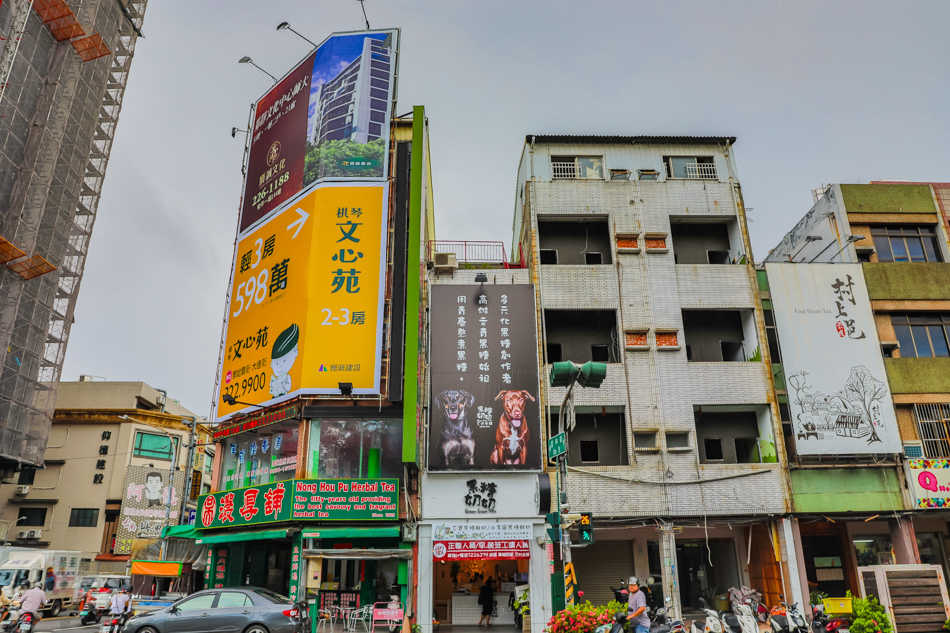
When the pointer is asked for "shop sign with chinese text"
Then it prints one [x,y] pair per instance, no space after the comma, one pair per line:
[302,499]
[930,482]
[305,307]
[477,540]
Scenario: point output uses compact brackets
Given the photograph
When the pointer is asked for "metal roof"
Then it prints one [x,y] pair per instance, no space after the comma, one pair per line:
[629,140]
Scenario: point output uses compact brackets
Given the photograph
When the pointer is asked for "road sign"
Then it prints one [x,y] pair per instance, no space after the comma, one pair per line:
[570,584]
[557,446]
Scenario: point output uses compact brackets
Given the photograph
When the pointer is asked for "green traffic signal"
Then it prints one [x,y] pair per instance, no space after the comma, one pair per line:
[586,527]
[562,373]
[592,374]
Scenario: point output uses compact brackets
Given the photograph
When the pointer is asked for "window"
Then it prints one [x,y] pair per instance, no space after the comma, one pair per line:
[83,517]
[209,462]
[647,174]
[922,335]
[153,446]
[727,437]
[548,256]
[903,243]
[933,427]
[567,167]
[205,489]
[600,353]
[771,333]
[644,441]
[589,452]
[197,603]
[32,517]
[713,449]
[593,258]
[574,242]
[554,352]
[27,475]
[677,440]
[691,167]
[231,599]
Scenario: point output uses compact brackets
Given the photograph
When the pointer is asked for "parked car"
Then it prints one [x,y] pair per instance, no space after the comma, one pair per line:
[103,586]
[229,610]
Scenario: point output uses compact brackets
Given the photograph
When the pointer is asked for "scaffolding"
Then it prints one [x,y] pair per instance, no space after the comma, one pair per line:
[47,211]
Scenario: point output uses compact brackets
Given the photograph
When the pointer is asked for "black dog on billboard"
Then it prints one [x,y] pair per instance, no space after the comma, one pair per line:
[458,441]
[511,438]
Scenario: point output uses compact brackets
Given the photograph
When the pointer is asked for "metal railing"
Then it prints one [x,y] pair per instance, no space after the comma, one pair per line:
[702,170]
[933,424]
[563,170]
[474,252]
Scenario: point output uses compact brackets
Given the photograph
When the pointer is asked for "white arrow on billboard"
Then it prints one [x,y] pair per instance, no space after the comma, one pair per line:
[299,222]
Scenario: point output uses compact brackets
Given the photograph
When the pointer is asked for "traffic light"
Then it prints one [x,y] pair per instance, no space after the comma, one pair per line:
[554,532]
[592,374]
[586,527]
[562,373]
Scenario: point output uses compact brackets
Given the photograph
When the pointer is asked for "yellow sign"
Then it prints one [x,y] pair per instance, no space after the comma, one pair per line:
[306,301]
[570,583]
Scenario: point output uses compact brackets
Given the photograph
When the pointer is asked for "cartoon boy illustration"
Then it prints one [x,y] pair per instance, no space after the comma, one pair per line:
[153,489]
[283,356]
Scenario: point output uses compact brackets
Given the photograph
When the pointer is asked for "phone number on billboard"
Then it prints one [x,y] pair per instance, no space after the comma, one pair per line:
[247,385]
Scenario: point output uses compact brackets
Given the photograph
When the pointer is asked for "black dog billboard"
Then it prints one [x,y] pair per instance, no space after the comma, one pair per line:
[484,413]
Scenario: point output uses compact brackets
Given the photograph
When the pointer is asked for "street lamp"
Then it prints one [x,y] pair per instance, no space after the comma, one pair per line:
[248,60]
[285,26]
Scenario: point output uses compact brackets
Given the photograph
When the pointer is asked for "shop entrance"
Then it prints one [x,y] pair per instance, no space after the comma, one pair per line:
[458,586]
[352,583]
[707,572]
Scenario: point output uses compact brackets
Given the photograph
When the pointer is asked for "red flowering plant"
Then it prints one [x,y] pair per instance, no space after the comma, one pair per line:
[581,618]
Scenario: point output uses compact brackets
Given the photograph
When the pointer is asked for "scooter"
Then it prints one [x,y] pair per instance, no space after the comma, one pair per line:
[746,617]
[821,623]
[89,614]
[114,623]
[662,624]
[621,594]
[791,622]
[23,624]
[712,625]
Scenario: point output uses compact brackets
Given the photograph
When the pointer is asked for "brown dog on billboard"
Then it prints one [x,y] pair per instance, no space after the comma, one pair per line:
[511,438]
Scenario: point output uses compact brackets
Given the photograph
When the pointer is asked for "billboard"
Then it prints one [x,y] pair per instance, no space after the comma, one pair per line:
[838,396]
[306,300]
[477,540]
[146,496]
[302,499]
[327,119]
[484,405]
[930,482]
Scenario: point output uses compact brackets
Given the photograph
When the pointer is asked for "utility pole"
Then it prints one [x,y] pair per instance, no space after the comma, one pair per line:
[568,374]
[189,467]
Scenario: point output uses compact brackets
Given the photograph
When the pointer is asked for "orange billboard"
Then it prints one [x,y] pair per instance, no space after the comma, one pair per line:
[306,300]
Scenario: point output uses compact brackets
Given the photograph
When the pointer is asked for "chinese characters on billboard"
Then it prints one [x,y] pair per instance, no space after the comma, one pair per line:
[474,540]
[328,119]
[146,496]
[838,394]
[307,299]
[484,368]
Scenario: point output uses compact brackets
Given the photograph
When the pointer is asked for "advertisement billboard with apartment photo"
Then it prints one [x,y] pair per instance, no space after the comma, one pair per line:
[484,405]
[327,119]
[838,396]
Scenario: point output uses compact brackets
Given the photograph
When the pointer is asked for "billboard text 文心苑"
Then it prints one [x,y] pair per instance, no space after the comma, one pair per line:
[327,119]
[485,412]
[306,301]
[838,394]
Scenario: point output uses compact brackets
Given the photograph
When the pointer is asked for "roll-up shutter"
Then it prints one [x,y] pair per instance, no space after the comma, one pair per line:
[600,566]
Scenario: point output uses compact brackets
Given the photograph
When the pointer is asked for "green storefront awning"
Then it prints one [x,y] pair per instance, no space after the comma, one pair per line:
[180,531]
[353,532]
[233,537]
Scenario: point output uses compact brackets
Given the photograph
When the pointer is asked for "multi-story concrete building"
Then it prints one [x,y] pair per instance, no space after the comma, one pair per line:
[63,72]
[640,254]
[112,449]
[885,502]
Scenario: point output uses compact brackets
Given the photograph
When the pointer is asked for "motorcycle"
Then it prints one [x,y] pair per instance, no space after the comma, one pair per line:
[23,624]
[114,623]
[662,624]
[791,621]
[88,613]
[821,623]
[746,617]
[712,624]
[621,594]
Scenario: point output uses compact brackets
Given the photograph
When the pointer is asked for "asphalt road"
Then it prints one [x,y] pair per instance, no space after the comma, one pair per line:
[63,623]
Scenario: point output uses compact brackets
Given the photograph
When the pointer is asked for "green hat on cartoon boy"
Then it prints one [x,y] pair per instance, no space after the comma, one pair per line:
[283,355]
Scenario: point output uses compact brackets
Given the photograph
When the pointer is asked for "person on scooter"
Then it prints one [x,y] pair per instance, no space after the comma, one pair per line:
[637,607]
[32,600]
[119,605]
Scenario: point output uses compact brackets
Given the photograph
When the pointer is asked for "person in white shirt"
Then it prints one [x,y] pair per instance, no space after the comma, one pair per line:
[32,600]
[120,604]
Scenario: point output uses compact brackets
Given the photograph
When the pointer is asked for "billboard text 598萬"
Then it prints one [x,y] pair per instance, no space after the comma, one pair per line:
[306,301]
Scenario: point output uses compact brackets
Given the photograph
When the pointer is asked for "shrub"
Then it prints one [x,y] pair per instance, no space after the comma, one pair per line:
[581,618]
[868,616]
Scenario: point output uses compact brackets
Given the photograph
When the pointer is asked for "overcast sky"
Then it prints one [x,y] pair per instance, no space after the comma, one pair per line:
[816,92]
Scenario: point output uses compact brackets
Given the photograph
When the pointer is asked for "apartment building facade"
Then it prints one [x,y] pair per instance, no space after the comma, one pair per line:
[872,502]
[116,472]
[639,252]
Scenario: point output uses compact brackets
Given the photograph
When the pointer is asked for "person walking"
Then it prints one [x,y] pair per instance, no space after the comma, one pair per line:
[637,607]
[486,598]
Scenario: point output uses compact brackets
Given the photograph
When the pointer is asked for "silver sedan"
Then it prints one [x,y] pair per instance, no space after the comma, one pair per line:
[231,610]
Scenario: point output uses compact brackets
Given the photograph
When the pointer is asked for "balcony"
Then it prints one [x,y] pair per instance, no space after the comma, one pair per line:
[706,171]
[715,286]
[728,383]
[470,254]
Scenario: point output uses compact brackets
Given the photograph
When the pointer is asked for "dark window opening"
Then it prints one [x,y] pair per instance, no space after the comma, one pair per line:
[83,517]
[784,411]
[589,451]
[775,352]
[554,353]
[747,450]
[713,449]
[597,438]
[700,242]
[906,243]
[580,331]
[27,475]
[31,517]
[576,243]
[600,353]
[548,256]
[714,336]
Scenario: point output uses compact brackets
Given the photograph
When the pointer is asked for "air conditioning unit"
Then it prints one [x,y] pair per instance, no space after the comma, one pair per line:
[445,261]
[160,399]
[23,534]
[22,490]
[34,534]
[408,533]
[913,450]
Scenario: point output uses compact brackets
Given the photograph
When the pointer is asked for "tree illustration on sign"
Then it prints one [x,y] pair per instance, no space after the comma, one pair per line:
[798,384]
[863,390]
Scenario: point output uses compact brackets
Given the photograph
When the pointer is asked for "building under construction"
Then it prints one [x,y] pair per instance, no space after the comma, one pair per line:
[63,72]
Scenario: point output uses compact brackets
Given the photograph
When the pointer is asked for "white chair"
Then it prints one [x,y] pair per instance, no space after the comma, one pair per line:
[325,619]
[362,616]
